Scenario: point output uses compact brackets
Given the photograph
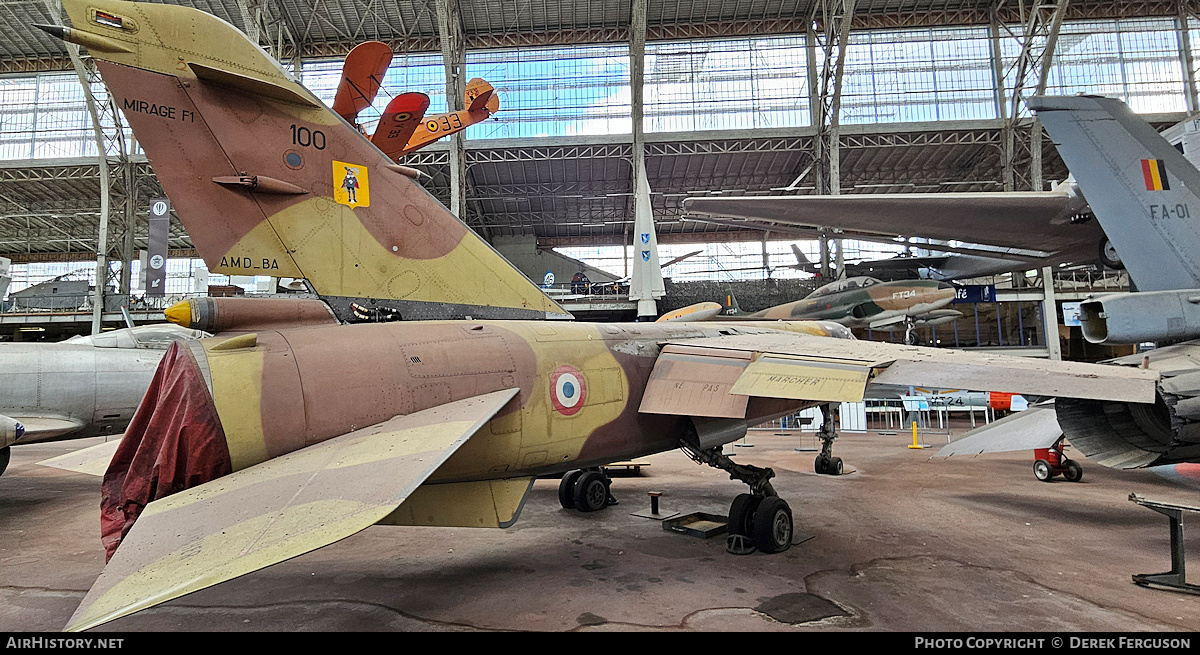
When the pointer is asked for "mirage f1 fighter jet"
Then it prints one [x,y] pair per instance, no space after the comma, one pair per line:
[290,430]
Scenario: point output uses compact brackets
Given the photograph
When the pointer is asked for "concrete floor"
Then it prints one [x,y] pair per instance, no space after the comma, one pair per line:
[902,543]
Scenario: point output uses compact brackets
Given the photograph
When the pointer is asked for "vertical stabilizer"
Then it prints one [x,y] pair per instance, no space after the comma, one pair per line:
[269,181]
[729,306]
[1141,189]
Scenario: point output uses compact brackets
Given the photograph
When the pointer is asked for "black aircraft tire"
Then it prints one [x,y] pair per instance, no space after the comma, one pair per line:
[835,466]
[5,455]
[566,488]
[1074,471]
[1041,470]
[741,513]
[591,492]
[820,465]
[772,525]
[1109,256]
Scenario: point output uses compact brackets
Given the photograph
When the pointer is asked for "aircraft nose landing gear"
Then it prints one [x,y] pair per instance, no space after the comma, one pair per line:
[826,463]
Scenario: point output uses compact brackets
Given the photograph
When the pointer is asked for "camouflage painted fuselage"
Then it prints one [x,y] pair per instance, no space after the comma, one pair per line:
[863,307]
[299,387]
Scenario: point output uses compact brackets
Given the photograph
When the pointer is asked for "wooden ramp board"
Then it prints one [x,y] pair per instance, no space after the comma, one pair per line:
[698,524]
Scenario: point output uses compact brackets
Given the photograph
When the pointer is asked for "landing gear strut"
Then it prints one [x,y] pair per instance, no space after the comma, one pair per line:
[586,490]
[910,332]
[758,520]
[826,463]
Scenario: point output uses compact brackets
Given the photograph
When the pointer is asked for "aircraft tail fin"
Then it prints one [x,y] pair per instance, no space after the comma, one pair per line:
[269,181]
[729,306]
[480,95]
[1141,189]
[801,260]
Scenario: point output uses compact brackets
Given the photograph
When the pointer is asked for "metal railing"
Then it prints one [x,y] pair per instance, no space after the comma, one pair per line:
[886,415]
[606,289]
[72,303]
[1091,279]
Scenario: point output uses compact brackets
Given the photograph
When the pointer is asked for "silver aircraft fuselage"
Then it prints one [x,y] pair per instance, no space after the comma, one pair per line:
[83,387]
[72,391]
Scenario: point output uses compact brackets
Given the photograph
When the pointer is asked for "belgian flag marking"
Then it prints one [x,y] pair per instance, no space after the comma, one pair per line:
[1155,173]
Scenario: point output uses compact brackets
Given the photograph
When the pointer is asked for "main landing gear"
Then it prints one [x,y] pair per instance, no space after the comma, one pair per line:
[826,463]
[758,520]
[910,332]
[586,490]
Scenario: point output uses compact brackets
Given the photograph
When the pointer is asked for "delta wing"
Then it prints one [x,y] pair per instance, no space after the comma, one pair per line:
[278,509]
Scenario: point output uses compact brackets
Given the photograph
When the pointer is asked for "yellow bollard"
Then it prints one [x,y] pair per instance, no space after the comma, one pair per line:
[914,443]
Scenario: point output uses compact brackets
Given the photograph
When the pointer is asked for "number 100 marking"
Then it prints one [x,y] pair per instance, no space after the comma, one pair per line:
[304,137]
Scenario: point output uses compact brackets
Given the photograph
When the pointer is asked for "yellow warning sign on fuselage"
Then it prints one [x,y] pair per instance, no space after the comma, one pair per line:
[350,185]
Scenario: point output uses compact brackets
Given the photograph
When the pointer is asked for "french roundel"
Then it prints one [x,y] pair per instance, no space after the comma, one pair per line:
[567,390]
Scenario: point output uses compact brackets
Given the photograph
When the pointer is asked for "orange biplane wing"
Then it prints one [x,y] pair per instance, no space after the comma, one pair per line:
[401,118]
[362,75]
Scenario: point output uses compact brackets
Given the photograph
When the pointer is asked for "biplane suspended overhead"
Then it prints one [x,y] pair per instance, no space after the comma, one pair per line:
[403,126]
[291,430]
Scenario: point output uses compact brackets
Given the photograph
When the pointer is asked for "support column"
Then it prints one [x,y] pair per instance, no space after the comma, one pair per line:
[454,57]
[1035,130]
[1050,314]
[131,199]
[1006,134]
[1185,53]
[829,30]
[1042,21]
[823,243]
[128,172]
[54,9]
[766,256]
[269,28]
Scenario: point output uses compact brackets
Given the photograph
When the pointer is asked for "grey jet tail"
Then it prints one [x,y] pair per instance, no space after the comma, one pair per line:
[1140,188]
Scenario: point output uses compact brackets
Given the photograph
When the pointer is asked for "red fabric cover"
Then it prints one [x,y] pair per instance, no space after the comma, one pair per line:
[174,442]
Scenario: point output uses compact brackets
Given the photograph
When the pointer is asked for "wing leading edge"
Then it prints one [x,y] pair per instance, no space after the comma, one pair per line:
[278,509]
